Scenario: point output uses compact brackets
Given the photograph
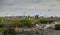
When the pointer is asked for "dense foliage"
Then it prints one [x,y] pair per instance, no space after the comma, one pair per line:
[57,26]
[22,21]
[47,20]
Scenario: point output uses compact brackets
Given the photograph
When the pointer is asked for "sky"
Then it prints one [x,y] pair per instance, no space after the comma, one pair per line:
[29,7]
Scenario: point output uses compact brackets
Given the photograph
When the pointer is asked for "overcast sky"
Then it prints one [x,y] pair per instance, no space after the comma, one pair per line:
[30,7]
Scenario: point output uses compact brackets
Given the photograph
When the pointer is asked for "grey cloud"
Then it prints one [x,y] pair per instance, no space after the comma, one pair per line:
[22,2]
[17,6]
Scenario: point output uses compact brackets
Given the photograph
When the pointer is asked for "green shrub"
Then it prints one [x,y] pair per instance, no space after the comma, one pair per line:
[17,24]
[57,26]
[23,22]
[46,20]
[2,25]
[43,21]
[5,25]
[50,20]
[26,22]
[2,29]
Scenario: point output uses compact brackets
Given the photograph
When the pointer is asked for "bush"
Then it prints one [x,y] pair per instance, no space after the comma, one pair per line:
[26,22]
[46,20]
[17,24]
[23,22]
[50,20]
[2,29]
[2,25]
[57,26]
[43,21]
[5,25]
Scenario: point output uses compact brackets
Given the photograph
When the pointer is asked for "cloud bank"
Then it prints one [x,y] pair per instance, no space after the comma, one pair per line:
[31,7]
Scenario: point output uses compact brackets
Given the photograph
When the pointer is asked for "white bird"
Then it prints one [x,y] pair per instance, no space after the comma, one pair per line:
[38,26]
[47,26]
